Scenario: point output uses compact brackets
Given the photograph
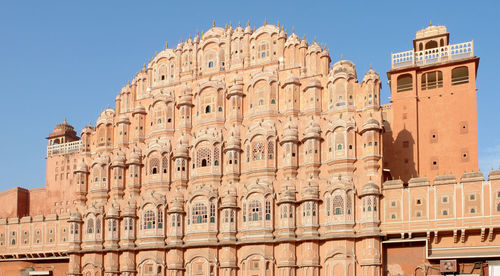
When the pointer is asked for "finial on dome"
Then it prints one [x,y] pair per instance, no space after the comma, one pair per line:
[156,53]
[315,39]
[90,123]
[197,33]
[189,37]
[144,66]
[239,23]
[341,57]
[283,28]
[65,121]
[293,30]
[248,23]
[430,23]
[213,24]
[304,37]
[230,24]
[265,21]
[225,27]
[166,45]
[371,67]
[108,108]
[278,24]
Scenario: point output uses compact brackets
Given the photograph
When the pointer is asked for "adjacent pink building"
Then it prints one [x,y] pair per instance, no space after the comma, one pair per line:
[244,152]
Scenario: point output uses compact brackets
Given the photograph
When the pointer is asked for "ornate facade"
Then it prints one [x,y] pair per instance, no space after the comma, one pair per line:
[242,152]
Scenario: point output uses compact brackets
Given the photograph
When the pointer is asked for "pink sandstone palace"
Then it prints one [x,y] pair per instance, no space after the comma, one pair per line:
[244,152]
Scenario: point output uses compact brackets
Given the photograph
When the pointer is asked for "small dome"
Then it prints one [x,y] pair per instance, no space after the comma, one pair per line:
[82,167]
[310,193]
[75,216]
[371,123]
[139,109]
[314,48]
[370,188]
[282,33]
[135,156]
[287,192]
[228,196]
[182,146]
[371,75]
[129,208]
[290,131]
[123,119]
[293,39]
[313,129]
[345,68]
[248,29]
[118,159]
[176,203]
[431,31]
[113,210]
[292,78]
[303,43]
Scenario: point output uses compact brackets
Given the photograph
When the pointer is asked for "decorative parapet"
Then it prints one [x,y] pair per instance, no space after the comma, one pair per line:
[472,177]
[66,148]
[434,55]
[494,175]
[393,184]
[445,179]
[418,182]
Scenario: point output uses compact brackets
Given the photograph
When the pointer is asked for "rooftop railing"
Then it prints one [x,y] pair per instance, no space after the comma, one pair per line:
[59,149]
[434,55]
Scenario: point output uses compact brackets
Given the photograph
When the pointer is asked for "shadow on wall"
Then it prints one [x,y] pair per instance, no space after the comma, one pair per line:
[400,156]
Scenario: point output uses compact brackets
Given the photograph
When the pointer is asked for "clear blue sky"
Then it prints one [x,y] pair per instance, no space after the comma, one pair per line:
[70,58]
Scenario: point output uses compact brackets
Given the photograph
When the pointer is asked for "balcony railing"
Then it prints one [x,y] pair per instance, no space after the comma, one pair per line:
[59,149]
[434,55]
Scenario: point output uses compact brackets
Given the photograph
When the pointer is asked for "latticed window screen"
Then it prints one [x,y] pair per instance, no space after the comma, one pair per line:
[268,210]
[154,165]
[199,213]
[212,212]
[255,211]
[270,149]
[164,164]
[258,151]
[203,158]
[216,155]
[338,205]
[149,220]
[160,218]
[98,226]
[90,226]
[348,204]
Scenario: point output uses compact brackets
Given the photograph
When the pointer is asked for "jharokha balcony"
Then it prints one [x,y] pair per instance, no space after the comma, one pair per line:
[434,55]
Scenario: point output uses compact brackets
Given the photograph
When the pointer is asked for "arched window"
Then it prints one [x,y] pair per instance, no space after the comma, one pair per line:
[441,43]
[97,226]
[258,151]
[164,164]
[432,80]
[431,44]
[160,218]
[459,75]
[405,83]
[90,226]
[154,165]
[263,50]
[203,157]
[498,207]
[216,155]
[207,109]
[338,205]
[270,149]
[212,212]
[210,64]
[255,211]
[199,213]
[420,46]
[149,220]
[268,210]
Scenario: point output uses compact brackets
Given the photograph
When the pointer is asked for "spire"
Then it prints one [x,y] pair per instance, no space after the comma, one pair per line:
[371,67]
[278,25]
[230,24]
[265,21]
[293,30]
[166,45]
[248,23]
[239,23]
[213,24]
[430,23]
